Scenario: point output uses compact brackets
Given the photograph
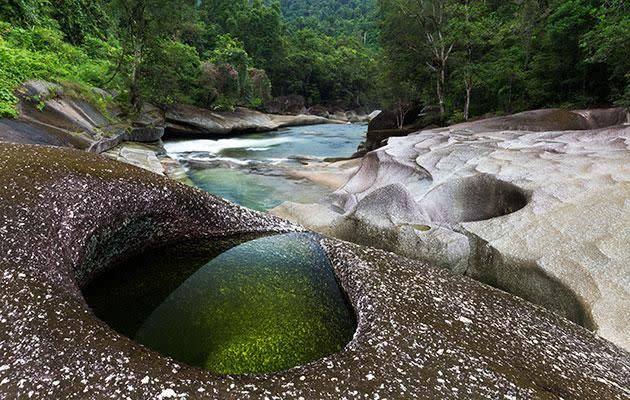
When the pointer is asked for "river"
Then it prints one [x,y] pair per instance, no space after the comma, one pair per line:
[254,170]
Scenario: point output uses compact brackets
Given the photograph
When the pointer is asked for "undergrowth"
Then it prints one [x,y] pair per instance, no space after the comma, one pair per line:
[41,53]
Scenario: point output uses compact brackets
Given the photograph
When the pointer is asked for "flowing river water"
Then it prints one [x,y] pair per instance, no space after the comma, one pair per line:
[254,170]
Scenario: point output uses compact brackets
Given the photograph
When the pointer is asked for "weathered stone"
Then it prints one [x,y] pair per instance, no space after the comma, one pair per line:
[44,105]
[141,158]
[150,116]
[550,120]
[13,131]
[49,116]
[545,211]
[189,121]
[67,216]
[145,134]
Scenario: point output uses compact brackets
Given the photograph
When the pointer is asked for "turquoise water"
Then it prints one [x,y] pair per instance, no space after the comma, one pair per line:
[260,306]
[252,170]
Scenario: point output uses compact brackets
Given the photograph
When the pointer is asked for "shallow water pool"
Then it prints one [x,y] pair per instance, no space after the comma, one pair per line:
[256,306]
[254,170]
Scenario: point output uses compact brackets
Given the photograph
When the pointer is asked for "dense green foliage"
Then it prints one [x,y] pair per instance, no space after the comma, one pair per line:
[463,57]
[473,57]
[356,19]
[42,53]
[212,53]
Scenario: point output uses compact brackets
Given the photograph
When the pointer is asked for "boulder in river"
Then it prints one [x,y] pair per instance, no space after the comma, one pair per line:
[193,122]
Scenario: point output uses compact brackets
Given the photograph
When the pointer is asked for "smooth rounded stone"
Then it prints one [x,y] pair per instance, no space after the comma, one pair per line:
[545,211]
[549,120]
[12,131]
[45,105]
[66,217]
[145,134]
[263,306]
[144,157]
[315,216]
[389,218]
[184,121]
[49,115]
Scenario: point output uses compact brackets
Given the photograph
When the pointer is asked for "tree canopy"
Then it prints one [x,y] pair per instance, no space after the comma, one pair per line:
[471,57]
[461,58]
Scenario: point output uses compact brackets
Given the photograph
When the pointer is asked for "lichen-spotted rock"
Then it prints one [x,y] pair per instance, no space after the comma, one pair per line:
[66,216]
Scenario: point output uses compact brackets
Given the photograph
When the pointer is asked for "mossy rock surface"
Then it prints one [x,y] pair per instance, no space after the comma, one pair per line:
[264,306]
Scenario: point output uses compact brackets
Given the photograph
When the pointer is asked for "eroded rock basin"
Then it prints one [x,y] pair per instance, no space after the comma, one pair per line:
[535,204]
[264,305]
[67,217]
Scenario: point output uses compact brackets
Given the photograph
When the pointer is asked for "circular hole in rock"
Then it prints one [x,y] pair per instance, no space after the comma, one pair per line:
[261,306]
[476,198]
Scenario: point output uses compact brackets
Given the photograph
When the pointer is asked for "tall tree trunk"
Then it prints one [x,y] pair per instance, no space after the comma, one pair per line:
[134,87]
[467,106]
[469,86]
[440,93]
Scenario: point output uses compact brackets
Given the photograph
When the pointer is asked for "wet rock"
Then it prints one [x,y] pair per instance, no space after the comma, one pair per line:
[545,212]
[67,216]
[263,306]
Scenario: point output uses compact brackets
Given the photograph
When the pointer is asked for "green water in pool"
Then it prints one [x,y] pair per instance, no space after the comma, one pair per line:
[257,306]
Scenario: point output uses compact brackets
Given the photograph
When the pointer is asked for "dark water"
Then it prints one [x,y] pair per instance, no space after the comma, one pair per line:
[259,306]
[252,170]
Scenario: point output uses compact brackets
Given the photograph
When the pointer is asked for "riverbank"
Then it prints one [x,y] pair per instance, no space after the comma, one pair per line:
[49,114]
[191,122]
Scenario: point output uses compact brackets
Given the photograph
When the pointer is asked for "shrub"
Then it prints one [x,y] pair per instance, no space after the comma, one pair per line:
[169,73]
[219,83]
[41,53]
